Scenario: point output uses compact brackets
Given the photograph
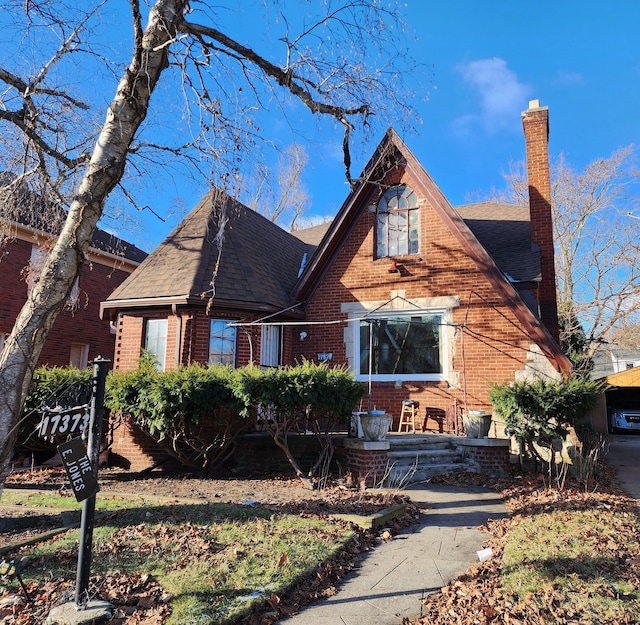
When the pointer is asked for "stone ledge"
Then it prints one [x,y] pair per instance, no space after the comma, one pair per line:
[373,521]
[361,444]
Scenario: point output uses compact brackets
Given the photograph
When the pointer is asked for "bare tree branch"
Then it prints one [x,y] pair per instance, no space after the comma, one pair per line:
[596,242]
[225,85]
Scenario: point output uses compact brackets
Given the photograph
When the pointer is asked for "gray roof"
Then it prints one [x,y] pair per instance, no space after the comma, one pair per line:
[504,231]
[314,234]
[258,260]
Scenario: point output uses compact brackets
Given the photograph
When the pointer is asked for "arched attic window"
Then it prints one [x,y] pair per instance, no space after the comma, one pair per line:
[397,223]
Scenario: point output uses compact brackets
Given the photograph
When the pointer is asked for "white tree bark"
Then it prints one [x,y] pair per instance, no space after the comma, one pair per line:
[126,112]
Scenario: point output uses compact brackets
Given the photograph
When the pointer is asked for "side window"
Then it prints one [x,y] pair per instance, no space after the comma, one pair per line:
[222,343]
[38,258]
[79,356]
[397,223]
[271,346]
[155,340]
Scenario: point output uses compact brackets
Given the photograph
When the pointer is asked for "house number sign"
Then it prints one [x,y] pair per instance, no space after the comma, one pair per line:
[70,421]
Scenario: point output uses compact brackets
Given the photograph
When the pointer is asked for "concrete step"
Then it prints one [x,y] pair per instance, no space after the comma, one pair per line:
[401,475]
[419,457]
[420,442]
[425,456]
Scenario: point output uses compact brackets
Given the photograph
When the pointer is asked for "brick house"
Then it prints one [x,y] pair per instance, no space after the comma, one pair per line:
[421,300]
[78,334]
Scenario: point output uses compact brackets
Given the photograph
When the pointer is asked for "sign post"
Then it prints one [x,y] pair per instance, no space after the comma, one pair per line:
[100,369]
[81,465]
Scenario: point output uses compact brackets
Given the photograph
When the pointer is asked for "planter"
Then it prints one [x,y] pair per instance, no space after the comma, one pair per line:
[476,423]
[375,425]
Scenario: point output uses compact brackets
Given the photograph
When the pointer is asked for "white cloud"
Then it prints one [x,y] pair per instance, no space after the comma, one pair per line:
[502,96]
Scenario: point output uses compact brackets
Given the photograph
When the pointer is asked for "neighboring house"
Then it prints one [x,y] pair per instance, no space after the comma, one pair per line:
[422,301]
[78,334]
[610,359]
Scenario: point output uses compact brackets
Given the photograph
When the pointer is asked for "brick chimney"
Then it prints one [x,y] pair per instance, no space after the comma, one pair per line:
[535,121]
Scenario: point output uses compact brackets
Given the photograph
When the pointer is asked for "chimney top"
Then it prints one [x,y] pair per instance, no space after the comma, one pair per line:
[534,105]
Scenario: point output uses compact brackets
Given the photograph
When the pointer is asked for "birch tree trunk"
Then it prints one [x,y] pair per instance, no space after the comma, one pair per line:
[126,112]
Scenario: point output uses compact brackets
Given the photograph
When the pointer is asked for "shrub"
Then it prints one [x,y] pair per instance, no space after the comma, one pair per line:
[191,412]
[305,398]
[541,412]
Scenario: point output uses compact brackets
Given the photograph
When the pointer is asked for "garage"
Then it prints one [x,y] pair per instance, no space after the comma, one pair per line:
[621,410]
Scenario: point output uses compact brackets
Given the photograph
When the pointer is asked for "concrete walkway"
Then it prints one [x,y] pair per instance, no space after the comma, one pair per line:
[390,582]
[624,455]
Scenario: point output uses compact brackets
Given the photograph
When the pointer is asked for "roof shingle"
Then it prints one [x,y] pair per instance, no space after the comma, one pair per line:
[256,266]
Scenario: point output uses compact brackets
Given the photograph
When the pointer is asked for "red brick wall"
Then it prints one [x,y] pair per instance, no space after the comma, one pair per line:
[192,325]
[494,345]
[82,325]
[132,449]
[366,467]
[491,460]
[536,131]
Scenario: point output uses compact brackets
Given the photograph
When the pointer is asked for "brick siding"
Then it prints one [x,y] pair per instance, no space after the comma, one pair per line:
[493,344]
[82,325]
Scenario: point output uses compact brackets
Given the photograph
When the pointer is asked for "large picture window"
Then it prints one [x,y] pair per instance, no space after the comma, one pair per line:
[401,347]
[222,343]
[398,223]
[155,340]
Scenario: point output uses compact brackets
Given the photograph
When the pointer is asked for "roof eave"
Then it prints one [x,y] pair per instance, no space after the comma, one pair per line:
[111,308]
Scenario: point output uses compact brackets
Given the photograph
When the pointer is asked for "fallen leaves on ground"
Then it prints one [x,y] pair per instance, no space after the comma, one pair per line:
[477,597]
[139,600]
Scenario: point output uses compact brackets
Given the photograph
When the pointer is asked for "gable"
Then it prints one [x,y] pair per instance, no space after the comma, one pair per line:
[393,163]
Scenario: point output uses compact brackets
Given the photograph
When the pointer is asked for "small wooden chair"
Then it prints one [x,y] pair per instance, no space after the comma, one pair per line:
[409,415]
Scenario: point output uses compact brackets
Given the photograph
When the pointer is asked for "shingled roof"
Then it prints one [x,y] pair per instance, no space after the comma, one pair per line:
[258,262]
[504,230]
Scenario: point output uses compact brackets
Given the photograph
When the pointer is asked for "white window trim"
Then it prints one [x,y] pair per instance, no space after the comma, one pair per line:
[36,265]
[442,306]
[83,355]
[162,365]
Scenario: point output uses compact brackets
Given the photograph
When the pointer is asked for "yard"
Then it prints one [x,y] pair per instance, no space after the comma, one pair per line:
[567,555]
[188,550]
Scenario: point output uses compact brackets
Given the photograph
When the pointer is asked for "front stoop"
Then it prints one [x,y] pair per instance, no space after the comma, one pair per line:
[416,458]
[419,457]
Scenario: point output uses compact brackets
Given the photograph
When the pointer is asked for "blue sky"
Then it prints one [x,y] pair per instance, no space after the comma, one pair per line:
[483,61]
